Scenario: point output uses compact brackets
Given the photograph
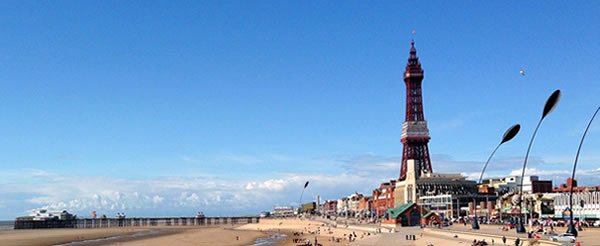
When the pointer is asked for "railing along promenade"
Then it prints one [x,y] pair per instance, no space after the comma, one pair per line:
[134,222]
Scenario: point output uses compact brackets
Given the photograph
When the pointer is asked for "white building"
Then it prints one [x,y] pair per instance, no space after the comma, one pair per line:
[590,209]
[511,183]
[353,201]
[342,205]
[282,211]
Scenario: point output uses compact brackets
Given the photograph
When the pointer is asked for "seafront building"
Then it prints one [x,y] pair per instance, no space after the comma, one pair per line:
[586,205]
[309,207]
[383,198]
[282,211]
[573,184]
[353,201]
[544,205]
[342,205]
[330,207]
[531,184]
[586,200]
[364,208]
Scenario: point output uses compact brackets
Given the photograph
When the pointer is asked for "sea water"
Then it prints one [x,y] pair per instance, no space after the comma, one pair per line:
[7,225]
[272,239]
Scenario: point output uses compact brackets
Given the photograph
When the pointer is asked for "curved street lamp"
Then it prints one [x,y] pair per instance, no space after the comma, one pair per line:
[572,229]
[508,135]
[300,203]
[548,107]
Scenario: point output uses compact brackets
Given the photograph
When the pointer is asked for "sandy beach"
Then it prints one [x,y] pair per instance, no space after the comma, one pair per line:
[300,230]
[159,236]
[217,236]
[296,231]
[43,237]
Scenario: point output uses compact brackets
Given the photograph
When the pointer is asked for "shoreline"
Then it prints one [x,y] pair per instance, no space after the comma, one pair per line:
[217,236]
[122,238]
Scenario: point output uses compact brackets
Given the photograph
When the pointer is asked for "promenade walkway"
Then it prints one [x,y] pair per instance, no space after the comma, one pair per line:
[589,236]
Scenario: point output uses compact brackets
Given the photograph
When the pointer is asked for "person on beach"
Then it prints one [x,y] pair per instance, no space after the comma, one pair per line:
[517,242]
[504,240]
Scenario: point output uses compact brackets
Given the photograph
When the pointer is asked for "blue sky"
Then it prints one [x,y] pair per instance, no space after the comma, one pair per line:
[168,108]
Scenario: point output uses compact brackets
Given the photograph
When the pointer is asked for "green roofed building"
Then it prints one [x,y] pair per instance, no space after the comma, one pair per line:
[410,214]
[407,214]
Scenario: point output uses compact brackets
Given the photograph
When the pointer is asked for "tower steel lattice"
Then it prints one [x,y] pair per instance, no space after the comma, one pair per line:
[415,134]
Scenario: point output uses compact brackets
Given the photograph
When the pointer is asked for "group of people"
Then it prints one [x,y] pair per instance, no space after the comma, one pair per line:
[351,236]
[306,242]
[484,243]
[299,235]
[411,237]
[480,243]
[517,241]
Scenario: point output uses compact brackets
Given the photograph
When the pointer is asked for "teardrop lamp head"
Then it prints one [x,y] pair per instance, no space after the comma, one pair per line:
[551,103]
[510,133]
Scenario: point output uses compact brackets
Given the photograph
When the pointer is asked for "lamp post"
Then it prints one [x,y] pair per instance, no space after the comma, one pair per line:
[508,135]
[300,203]
[572,229]
[548,107]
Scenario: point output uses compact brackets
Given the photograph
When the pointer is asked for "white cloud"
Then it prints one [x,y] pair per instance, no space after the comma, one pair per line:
[157,199]
[271,184]
[177,195]
[537,172]
[473,175]
[169,196]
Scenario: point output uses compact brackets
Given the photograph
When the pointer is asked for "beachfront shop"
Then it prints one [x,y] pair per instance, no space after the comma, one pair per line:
[409,214]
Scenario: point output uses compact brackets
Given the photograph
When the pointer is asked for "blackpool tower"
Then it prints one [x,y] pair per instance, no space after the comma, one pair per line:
[415,134]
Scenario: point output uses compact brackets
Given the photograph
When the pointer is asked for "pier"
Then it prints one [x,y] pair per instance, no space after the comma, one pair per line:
[134,222]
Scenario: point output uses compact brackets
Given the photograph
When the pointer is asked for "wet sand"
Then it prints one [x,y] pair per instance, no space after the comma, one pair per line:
[170,235]
[43,237]
[217,236]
